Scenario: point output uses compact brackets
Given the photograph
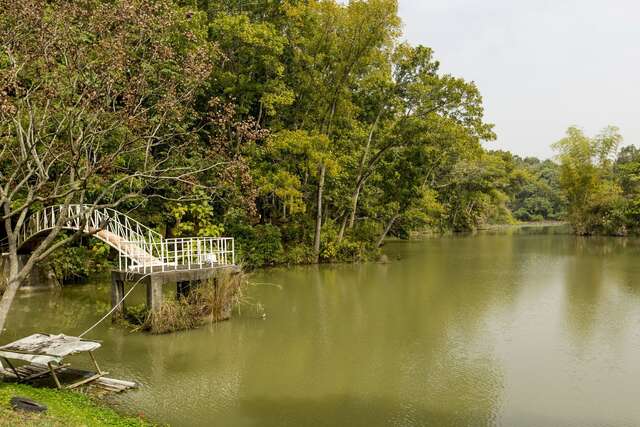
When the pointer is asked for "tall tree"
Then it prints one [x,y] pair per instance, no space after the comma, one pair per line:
[95,100]
[416,108]
[585,176]
[332,47]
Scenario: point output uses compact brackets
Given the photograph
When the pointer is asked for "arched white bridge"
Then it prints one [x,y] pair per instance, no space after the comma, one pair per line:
[140,248]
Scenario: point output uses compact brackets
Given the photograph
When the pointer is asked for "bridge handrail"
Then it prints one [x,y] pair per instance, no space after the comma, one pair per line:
[100,219]
[139,247]
[186,252]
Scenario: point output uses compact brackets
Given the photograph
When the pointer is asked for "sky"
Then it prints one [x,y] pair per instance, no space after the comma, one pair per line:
[541,65]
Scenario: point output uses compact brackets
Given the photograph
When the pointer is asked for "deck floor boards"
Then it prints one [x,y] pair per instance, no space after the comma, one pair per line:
[68,375]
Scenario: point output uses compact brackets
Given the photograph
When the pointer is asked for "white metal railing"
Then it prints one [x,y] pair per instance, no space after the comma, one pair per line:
[138,246]
[90,219]
[180,253]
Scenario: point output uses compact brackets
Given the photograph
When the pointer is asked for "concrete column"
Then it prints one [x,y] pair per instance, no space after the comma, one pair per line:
[154,293]
[117,293]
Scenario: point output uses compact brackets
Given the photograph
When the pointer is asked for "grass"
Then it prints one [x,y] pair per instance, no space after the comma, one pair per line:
[211,300]
[65,408]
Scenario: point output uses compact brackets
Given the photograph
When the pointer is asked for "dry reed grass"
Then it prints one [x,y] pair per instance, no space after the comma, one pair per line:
[210,301]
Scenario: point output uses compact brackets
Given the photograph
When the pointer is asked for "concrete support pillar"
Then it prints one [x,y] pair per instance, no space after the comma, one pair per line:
[117,293]
[154,293]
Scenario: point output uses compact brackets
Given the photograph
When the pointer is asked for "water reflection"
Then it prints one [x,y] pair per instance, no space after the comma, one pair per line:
[523,327]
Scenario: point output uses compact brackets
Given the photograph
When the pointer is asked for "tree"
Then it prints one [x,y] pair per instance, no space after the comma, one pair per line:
[342,97]
[416,106]
[251,71]
[627,170]
[333,45]
[95,108]
[586,179]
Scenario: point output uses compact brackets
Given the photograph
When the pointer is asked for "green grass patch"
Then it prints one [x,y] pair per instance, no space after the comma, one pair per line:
[65,408]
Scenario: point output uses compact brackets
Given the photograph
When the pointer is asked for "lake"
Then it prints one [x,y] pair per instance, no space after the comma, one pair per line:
[526,326]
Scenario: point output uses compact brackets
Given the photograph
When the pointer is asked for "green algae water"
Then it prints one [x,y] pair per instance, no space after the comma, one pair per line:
[514,327]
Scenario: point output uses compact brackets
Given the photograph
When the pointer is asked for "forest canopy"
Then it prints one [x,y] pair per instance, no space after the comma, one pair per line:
[315,130]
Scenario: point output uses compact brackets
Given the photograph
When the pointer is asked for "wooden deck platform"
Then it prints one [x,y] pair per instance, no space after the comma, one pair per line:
[44,356]
[41,377]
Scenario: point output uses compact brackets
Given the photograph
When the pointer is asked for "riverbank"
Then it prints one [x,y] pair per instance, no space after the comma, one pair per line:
[65,408]
[429,234]
[525,224]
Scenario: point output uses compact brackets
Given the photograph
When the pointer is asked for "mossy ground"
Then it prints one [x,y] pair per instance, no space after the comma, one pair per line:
[65,408]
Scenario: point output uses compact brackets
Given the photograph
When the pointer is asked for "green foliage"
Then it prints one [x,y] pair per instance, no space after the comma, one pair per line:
[359,246]
[79,261]
[594,197]
[252,73]
[260,245]
[534,189]
[195,218]
[136,314]
[315,129]
[298,254]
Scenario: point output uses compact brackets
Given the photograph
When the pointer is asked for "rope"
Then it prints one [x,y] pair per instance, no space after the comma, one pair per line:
[114,307]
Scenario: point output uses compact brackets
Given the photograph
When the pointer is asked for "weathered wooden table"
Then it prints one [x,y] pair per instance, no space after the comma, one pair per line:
[44,351]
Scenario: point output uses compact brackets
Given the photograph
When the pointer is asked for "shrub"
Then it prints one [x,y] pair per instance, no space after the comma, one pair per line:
[76,263]
[265,248]
[298,254]
[367,231]
[349,251]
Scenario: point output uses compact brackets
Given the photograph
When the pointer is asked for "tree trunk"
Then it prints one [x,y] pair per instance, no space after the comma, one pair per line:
[343,226]
[354,204]
[7,299]
[387,229]
[316,241]
[352,212]
[12,285]
[360,179]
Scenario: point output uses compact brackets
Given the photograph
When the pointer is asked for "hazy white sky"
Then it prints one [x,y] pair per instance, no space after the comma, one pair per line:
[541,65]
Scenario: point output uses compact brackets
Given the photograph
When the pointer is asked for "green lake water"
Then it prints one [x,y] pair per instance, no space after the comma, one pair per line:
[515,327]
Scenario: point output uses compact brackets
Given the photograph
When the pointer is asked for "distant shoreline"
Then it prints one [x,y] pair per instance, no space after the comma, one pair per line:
[526,224]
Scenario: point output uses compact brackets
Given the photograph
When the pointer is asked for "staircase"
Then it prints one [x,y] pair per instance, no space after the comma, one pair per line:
[132,250]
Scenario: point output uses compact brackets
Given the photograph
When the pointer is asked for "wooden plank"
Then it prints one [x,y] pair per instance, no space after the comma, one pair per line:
[55,377]
[7,373]
[119,383]
[84,381]
[95,364]
[36,373]
[93,381]
[12,367]
[104,380]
